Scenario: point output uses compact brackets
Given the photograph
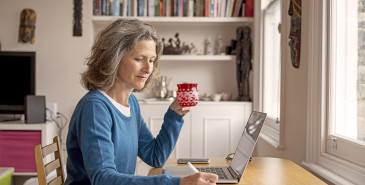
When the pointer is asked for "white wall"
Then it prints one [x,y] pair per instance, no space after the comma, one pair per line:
[60,56]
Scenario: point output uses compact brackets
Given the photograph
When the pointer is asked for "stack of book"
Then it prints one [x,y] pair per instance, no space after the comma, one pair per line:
[177,8]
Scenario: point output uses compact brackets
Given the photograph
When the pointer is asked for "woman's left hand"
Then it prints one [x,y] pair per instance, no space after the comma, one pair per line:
[178,109]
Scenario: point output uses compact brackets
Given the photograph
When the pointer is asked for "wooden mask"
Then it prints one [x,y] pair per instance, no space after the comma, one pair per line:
[27,26]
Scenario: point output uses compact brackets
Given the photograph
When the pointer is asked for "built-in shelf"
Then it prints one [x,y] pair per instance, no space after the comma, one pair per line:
[156,102]
[202,58]
[179,20]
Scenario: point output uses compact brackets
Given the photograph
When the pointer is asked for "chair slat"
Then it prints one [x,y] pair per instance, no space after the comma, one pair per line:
[44,170]
[49,149]
[56,181]
[52,166]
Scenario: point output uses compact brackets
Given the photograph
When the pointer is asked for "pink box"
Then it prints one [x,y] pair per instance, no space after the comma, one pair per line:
[17,149]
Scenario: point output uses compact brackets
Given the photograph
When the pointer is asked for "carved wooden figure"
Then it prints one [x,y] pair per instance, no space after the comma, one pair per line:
[243,62]
[27,26]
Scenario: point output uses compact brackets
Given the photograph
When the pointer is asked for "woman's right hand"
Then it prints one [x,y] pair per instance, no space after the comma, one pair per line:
[200,178]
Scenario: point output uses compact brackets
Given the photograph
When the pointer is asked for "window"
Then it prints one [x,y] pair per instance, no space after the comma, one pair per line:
[346,119]
[271,71]
[336,114]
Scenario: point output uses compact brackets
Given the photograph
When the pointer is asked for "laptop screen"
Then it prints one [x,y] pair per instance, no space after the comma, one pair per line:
[248,141]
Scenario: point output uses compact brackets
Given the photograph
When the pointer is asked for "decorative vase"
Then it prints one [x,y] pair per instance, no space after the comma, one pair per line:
[187,95]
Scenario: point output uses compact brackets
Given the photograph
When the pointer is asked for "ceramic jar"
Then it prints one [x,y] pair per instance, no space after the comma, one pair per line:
[187,94]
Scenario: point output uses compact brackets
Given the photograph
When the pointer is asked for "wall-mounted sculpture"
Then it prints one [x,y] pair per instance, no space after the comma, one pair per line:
[27,26]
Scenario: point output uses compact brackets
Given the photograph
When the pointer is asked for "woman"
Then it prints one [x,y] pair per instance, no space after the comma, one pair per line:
[107,132]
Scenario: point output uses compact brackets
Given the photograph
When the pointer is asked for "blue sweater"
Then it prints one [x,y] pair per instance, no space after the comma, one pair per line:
[103,144]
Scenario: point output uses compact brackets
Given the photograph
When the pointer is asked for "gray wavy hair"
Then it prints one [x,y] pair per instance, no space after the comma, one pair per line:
[111,44]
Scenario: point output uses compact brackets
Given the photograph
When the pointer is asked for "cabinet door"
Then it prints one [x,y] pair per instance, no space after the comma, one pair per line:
[153,115]
[217,128]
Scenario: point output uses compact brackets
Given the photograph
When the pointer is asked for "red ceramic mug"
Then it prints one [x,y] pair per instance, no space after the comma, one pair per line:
[187,94]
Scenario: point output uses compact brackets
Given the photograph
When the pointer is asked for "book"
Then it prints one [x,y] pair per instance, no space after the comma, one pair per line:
[167,8]
[140,7]
[231,8]
[162,8]
[145,7]
[116,7]
[104,7]
[249,8]
[197,10]
[191,8]
[97,7]
[202,8]
[186,7]
[174,7]
[212,8]
[110,10]
[223,8]
[207,8]
[227,7]
[180,7]
[243,9]
[151,8]
[134,5]
[124,7]
[157,8]
[129,11]
[237,8]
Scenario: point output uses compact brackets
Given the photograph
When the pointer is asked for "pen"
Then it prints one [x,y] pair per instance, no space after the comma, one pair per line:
[193,168]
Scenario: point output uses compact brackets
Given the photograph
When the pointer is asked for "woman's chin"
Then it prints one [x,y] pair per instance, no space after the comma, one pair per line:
[139,87]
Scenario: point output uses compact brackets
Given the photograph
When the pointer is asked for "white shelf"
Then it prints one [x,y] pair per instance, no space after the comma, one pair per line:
[206,58]
[21,125]
[179,20]
[25,173]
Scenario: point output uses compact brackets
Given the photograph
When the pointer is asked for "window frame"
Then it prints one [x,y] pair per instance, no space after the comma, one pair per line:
[317,158]
[270,132]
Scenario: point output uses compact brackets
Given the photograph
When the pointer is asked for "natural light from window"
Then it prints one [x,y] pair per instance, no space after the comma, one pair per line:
[272,64]
[347,69]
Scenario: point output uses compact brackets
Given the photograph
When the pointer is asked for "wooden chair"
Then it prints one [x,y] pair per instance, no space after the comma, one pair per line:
[43,170]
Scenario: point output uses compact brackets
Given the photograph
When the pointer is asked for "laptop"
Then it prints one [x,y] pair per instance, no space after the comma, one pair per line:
[231,174]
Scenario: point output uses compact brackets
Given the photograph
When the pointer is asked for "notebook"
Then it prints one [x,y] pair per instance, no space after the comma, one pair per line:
[231,174]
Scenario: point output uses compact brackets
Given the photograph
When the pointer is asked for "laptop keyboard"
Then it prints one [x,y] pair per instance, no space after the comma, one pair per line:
[217,171]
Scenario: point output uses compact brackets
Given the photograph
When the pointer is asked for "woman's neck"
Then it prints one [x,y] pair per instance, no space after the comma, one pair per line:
[119,95]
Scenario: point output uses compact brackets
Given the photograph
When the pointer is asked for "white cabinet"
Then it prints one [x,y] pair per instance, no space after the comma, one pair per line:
[217,127]
[211,129]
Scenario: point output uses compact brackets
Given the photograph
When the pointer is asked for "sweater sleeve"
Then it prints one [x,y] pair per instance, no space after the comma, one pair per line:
[155,151]
[94,136]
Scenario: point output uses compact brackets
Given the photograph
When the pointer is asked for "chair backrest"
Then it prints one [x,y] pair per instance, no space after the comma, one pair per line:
[55,164]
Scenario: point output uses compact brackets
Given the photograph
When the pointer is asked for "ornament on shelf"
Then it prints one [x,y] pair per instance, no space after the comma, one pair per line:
[219,47]
[208,46]
[173,47]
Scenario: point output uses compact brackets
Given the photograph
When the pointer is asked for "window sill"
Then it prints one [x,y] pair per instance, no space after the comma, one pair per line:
[327,174]
[271,136]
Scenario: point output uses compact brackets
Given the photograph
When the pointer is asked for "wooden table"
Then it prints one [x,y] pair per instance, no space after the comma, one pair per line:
[262,170]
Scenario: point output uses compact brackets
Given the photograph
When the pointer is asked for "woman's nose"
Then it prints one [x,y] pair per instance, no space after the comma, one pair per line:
[148,67]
